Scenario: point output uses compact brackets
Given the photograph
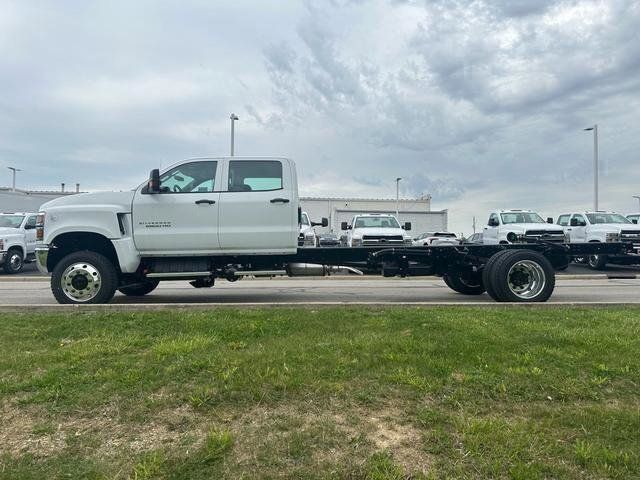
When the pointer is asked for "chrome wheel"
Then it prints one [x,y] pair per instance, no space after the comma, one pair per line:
[15,262]
[526,279]
[593,261]
[80,282]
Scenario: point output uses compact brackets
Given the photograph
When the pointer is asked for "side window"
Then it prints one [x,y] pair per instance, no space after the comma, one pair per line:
[31,222]
[493,219]
[255,176]
[581,221]
[193,177]
[563,220]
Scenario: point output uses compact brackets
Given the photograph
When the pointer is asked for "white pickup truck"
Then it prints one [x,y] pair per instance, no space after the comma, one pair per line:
[205,219]
[520,226]
[376,229]
[601,227]
[17,240]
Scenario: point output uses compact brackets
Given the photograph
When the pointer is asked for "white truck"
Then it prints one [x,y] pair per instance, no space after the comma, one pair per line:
[376,229]
[307,236]
[17,240]
[206,219]
[601,227]
[520,226]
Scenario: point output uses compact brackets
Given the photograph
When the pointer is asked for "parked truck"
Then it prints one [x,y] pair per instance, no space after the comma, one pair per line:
[602,227]
[17,240]
[372,229]
[206,219]
[520,226]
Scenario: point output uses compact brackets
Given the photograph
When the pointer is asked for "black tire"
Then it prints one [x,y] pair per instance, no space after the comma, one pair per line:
[516,271]
[597,262]
[14,261]
[99,270]
[139,289]
[465,284]
[486,273]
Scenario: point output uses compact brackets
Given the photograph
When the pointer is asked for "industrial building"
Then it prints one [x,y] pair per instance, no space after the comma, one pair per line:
[337,210]
[28,200]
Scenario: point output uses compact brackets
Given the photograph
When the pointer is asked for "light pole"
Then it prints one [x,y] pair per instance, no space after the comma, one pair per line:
[595,165]
[13,184]
[638,197]
[233,118]
[398,197]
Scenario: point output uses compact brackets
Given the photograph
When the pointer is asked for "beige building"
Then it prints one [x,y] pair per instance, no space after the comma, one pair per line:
[337,210]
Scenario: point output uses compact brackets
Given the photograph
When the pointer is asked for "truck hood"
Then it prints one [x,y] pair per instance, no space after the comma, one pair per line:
[523,227]
[8,231]
[379,231]
[120,199]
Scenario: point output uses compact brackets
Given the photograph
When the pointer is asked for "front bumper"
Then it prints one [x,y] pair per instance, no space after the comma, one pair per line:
[42,255]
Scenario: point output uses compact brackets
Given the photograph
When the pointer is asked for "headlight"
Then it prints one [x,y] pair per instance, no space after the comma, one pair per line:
[512,237]
[408,241]
[567,238]
[355,242]
[613,237]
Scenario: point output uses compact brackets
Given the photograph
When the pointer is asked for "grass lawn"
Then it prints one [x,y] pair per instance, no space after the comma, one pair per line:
[357,393]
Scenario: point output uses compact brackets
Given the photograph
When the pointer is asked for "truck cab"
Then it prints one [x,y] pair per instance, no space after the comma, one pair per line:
[17,240]
[520,226]
[634,218]
[376,229]
[600,227]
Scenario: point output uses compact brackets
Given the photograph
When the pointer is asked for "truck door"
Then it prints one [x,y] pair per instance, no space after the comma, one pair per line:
[30,234]
[490,235]
[183,216]
[259,209]
[579,233]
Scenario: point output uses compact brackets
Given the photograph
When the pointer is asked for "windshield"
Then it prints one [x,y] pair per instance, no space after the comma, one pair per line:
[596,218]
[376,222]
[305,219]
[521,217]
[12,221]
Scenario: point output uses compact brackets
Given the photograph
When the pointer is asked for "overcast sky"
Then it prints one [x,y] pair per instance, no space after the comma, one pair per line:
[480,104]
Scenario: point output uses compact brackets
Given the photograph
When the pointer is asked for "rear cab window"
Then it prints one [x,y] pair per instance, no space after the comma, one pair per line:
[255,175]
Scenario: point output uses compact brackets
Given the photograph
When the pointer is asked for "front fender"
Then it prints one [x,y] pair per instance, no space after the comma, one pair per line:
[100,219]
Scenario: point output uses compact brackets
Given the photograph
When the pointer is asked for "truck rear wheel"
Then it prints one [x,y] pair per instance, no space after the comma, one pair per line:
[597,262]
[14,261]
[486,273]
[139,289]
[520,276]
[84,277]
[470,284]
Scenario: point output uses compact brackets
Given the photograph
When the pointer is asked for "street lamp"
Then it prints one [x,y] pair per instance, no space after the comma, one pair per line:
[397,196]
[13,184]
[637,196]
[233,118]
[595,165]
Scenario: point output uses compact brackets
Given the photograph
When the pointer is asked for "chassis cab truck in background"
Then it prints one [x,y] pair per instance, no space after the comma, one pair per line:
[209,218]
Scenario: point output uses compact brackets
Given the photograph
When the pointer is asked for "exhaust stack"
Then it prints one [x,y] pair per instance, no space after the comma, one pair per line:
[317,270]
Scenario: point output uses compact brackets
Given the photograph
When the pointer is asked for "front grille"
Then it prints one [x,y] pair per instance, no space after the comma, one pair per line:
[382,239]
[630,236]
[544,235]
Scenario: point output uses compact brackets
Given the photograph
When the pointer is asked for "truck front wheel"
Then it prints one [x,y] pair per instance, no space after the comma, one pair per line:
[470,284]
[139,289]
[84,277]
[14,261]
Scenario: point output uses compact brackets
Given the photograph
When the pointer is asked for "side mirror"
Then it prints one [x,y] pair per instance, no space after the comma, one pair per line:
[154,181]
[574,222]
[549,220]
[344,226]
[323,223]
[407,226]
[635,220]
[493,222]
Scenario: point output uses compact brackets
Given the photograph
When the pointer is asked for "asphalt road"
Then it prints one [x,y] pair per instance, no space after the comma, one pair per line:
[328,290]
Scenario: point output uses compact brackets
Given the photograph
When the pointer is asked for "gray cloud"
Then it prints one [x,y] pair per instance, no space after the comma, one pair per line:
[479,103]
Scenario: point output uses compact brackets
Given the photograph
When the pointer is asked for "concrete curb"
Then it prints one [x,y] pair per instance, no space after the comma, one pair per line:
[54,308]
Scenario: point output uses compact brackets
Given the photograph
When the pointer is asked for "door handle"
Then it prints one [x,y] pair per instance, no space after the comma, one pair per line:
[279,200]
[210,202]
